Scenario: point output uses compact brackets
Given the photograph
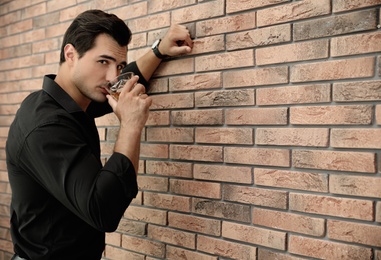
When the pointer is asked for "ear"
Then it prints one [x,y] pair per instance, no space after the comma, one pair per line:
[70,53]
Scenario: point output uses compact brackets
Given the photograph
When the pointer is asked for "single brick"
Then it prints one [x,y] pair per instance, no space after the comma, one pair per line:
[293,11]
[224,135]
[331,115]
[354,232]
[254,235]
[289,222]
[223,173]
[256,116]
[362,186]
[175,169]
[336,25]
[259,37]
[167,201]
[344,5]
[241,97]
[241,5]
[198,117]
[356,44]
[196,153]
[196,82]
[196,188]
[227,60]
[317,137]
[255,196]
[332,206]
[219,247]
[255,77]
[333,70]
[357,91]
[334,160]
[221,210]
[257,156]
[291,179]
[299,51]
[356,138]
[172,135]
[323,249]
[195,224]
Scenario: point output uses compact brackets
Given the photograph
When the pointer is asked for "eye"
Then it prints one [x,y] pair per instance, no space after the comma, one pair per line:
[121,67]
[104,62]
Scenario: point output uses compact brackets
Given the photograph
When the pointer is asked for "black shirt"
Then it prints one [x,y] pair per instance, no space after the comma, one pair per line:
[63,198]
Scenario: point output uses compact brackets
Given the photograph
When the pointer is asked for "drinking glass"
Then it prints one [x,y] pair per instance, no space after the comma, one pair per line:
[115,86]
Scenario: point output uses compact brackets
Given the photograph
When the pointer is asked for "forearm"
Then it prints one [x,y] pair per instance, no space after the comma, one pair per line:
[147,64]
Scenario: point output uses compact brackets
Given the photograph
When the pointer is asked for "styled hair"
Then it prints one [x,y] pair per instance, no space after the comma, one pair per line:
[88,25]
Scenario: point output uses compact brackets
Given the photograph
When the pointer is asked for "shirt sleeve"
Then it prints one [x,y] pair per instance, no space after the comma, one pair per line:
[96,109]
[60,159]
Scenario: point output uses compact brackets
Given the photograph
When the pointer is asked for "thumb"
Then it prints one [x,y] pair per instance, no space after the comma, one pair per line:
[181,50]
[112,102]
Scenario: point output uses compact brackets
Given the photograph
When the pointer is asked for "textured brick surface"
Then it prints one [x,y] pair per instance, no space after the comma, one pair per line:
[262,143]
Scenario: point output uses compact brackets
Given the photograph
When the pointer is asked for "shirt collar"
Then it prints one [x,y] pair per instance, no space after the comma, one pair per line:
[59,95]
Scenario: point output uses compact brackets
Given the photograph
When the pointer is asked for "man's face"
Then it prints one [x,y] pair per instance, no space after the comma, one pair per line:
[98,66]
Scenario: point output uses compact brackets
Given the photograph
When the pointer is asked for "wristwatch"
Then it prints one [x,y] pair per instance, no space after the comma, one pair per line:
[155,48]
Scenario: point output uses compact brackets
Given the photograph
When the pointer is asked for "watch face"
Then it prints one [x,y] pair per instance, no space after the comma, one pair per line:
[155,44]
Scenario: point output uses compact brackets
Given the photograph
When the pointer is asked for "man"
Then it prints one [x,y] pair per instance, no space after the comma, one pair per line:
[63,198]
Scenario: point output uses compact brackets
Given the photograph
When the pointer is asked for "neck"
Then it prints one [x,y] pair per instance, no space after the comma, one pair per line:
[64,81]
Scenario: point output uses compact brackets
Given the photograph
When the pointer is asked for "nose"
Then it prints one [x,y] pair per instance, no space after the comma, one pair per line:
[112,74]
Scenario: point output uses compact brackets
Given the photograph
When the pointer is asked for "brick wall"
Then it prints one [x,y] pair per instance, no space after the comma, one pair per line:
[264,143]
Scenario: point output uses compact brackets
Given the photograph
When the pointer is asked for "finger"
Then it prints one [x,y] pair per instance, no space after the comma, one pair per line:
[112,102]
[138,89]
[130,84]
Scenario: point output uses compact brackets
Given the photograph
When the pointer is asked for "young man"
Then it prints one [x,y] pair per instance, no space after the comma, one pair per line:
[63,198]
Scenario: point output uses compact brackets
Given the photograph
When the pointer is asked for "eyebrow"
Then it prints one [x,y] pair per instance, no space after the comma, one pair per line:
[113,59]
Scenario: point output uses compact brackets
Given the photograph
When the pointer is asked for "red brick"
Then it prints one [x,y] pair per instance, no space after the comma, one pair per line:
[289,222]
[156,118]
[221,210]
[332,206]
[226,24]
[169,101]
[198,12]
[355,185]
[292,52]
[195,224]
[259,37]
[228,60]
[255,196]
[255,77]
[196,153]
[144,246]
[257,156]
[157,6]
[241,97]
[29,61]
[145,23]
[175,253]
[254,235]
[152,183]
[324,249]
[378,114]
[118,253]
[256,116]
[132,227]
[334,160]
[167,201]
[175,169]
[333,70]
[224,135]
[154,150]
[356,138]
[291,179]
[19,27]
[224,248]
[317,137]
[344,5]
[264,254]
[164,134]
[172,236]
[198,117]
[331,115]
[357,91]
[356,44]
[128,12]
[174,67]
[336,25]
[158,85]
[195,82]
[241,5]
[195,188]
[354,232]
[208,44]
[223,173]
[114,239]
[293,12]
[148,215]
